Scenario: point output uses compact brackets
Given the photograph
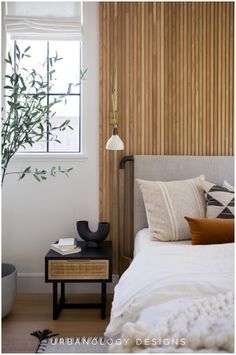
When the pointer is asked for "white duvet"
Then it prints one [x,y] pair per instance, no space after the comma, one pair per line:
[161,281]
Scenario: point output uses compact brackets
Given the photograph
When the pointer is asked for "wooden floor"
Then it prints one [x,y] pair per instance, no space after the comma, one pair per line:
[34,312]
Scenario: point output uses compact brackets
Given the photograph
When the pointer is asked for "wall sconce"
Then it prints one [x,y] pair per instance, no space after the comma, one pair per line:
[114,143]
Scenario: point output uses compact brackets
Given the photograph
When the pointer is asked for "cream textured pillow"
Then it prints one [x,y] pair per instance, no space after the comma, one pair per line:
[167,203]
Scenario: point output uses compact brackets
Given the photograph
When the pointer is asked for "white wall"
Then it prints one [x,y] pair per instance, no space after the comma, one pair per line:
[36,214]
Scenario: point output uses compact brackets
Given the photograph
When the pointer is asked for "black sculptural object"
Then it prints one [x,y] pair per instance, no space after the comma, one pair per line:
[93,238]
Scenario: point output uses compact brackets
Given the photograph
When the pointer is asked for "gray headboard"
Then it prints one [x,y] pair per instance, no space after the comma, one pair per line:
[166,168]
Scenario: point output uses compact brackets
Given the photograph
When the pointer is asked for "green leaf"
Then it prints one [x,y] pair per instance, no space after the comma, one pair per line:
[37,177]
[69,88]
[21,176]
[27,170]
[52,72]
[9,58]
[26,50]
[17,49]
[53,171]
[82,73]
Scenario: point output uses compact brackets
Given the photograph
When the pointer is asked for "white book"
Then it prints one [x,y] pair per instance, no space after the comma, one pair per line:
[65,248]
[65,252]
[66,242]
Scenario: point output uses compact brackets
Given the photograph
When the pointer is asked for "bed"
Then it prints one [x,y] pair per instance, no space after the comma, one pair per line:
[175,296]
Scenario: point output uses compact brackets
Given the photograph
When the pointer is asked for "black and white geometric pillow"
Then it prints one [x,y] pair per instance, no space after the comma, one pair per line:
[219,201]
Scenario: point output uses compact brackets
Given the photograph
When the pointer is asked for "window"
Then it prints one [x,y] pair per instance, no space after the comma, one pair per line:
[56,27]
[67,71]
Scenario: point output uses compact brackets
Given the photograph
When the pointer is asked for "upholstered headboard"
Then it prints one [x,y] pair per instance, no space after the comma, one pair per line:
[166,168]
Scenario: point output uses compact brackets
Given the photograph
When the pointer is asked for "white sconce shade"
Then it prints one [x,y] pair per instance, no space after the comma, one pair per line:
[115,143]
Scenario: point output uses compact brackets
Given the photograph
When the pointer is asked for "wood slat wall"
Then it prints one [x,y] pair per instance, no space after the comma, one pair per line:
[172,66]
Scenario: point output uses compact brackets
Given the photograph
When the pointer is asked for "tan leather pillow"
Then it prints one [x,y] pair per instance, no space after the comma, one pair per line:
[211,230]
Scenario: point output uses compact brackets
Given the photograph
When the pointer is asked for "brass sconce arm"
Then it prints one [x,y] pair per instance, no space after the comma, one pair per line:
[114,113]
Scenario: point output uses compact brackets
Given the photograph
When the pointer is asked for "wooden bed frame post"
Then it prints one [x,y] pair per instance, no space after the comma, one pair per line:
[126,238]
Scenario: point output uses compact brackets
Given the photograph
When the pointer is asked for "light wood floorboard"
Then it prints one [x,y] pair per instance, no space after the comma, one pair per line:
[34,312]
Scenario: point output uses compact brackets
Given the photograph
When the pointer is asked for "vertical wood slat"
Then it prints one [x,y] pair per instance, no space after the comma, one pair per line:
[185,95]
[178,79]
[219,78]
[150,71]
[158,77]
[135,79]
[173,65]
[223,79]
[138,118]
[189,81]
[181,70]
[170,101]
[146,117]
[200,152]
[215,73]
[142,143]
[196,61]
[193,80]
[208,77]
[204,59]
[211,152]
[162,78]
[126,73]
[107,171]
[131,77]
[227,81]
[231,84]
[154,83]
[166,79]
[174,50]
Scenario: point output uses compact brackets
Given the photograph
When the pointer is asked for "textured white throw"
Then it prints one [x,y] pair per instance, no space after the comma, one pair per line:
[162,282]
[205,325]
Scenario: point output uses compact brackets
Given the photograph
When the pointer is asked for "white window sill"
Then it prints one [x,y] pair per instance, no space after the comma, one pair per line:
[53,157]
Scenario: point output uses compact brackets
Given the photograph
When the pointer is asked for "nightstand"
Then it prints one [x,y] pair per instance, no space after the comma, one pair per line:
[90,265]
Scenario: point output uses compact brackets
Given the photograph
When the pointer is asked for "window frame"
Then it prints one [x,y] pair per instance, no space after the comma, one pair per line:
[89,15]
[51,94]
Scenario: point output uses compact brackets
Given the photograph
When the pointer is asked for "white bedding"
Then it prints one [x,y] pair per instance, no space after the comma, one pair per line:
[143,240]
[164,277]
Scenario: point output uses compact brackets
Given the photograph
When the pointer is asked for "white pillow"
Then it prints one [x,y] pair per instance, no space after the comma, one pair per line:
[167,203]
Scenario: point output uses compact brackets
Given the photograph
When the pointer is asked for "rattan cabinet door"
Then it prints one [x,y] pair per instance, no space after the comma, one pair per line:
[78,270]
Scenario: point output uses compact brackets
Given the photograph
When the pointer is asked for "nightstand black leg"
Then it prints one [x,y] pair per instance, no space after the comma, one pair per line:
[55,307]
[62,292]
[103,300]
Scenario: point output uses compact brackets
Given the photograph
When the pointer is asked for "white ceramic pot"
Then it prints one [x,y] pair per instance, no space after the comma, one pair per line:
[9,281]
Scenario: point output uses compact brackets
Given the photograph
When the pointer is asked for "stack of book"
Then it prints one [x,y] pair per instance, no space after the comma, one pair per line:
[66,246]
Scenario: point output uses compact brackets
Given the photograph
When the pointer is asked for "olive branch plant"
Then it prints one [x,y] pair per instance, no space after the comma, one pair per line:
[25,115]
